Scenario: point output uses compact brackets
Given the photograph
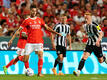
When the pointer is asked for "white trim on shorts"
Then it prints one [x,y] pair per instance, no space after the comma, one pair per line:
[20,51]
[30,47]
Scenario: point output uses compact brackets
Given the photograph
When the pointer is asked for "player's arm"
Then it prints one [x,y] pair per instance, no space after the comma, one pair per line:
[16,33]
[99,39]
[52,41]
[69,40]
[100,35]
[24,35]
[51,30]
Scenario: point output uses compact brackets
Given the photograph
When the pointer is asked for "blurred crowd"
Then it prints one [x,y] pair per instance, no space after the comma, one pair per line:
[13,12]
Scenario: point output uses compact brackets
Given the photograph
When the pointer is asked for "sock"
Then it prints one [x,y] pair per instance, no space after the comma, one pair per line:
[104,58]
[40,64]
[26,65]
[10,63]
[20,58]
[81,64]
[60,66]
[60,71]
[56,62]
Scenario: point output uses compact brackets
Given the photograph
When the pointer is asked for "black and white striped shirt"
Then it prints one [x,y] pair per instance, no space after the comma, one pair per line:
[92,31]
[61,28]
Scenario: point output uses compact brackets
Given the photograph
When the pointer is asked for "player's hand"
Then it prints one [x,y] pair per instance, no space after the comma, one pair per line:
[9,43]
[98,43]
[53,47]
[59,34]
[69,48]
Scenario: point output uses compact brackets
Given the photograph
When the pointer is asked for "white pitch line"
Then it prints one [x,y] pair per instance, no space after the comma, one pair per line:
[93,78]
[99,78]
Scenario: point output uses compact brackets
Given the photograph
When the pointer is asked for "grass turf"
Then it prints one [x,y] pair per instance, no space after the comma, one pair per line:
[53,77]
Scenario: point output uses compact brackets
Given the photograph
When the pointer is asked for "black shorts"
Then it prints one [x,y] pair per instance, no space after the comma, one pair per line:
[93,48]
[61,50]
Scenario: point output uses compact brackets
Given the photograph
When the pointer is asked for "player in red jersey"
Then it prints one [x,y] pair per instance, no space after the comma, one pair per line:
[21,45]
[35,37]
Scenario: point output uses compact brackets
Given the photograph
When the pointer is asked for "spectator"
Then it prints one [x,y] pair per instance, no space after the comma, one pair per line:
[52,9]
[40,9]
[74,10]
[93,4]
[12,21]
[95,16]
[81,35]
[48,12]
[104,15]
[79,18]
[4,14]
[3,27]
[46,19]
[88,7]
[73,33]
[57,18]
[104,28]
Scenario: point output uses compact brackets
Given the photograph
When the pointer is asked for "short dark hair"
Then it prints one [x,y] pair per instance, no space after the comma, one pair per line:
[2,22]
[32,6]
[23,4]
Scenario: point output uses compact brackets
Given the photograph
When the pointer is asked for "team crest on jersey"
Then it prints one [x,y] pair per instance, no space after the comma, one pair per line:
[58,52]
[35,22]
[39,22]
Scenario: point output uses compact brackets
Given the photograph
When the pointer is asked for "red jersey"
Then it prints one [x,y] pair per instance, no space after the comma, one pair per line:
[22,41]
[33,25]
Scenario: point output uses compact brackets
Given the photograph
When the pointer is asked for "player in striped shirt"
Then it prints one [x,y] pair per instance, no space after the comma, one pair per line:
[95,35]
[61,42]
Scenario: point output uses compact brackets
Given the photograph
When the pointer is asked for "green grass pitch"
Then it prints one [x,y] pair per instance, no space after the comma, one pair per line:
[53,77]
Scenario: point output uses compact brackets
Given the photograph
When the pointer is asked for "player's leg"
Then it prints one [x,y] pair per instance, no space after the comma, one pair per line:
[61,57]
[13,61]
[25,58]
[60,64]
[57,60]
[99,53]
[40,62]
[55,64]
[25,63]
[28,49]
[81,63]
[38,48]
[20,57]
[16,60]
[86,54]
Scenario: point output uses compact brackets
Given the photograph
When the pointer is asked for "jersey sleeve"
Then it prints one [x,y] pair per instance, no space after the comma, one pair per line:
[55,27]
[24,30]
[23,25]
[42,22]
[97,27]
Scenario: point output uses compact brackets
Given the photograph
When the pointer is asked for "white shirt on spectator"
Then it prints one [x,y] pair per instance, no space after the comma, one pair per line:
[102,18]
[41,12]
[80,35]
[96,19]
[78,19]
